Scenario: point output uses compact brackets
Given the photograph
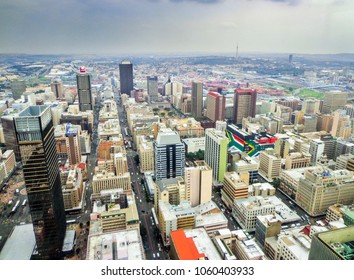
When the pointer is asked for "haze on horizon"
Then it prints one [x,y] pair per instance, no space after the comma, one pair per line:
[176,26]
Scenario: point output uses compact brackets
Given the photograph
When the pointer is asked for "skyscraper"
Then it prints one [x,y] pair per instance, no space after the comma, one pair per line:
[152,88]
[334,100]
[316,149]
[198,180]
[57,87]
[35,136]
[244,104]
[84,92]
[18,87]
[126,77]
[72,139]
[8,127]
[215,106]
[216,152]
[197,99]
[169,155]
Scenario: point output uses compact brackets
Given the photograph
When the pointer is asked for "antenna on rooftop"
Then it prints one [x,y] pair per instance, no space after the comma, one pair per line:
[237,51]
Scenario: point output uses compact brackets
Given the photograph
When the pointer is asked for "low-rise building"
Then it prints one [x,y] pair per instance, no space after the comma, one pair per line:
[183,216]
[72,188]
[145,148]
[322,188]
[290,244]
[120,245]
[335,244]
[192,244]
[266,226]
[193,145]
[246,210]
[108,180]
[9,160]
[234,187]
[297,160]
[113,210]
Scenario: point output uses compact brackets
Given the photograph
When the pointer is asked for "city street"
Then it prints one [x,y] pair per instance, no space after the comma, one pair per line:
[151,240]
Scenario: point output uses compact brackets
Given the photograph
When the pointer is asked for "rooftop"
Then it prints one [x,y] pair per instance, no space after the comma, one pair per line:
[20,244]
[120,245]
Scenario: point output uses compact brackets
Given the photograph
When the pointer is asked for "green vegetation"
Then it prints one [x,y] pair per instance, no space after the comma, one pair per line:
[195,156]
[308,93]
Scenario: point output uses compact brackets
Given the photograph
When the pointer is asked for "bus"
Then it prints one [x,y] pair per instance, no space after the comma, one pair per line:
[24,203]
[126,131]
[72,221]
[14,209]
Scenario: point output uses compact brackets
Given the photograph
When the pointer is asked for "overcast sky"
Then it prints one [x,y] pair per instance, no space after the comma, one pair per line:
[176,26]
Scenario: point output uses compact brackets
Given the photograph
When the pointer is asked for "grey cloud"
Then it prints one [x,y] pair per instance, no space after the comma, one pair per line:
[198,1]
[289,2]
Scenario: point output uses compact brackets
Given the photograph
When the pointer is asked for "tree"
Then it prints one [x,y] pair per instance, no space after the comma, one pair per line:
[276,183]
[81,225]
[155,110]
[199,155]
[162,114]
[167,109]
[171,113]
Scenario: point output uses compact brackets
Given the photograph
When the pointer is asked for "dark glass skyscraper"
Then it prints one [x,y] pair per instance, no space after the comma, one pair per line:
[35,136]
[84,92]
[126,77]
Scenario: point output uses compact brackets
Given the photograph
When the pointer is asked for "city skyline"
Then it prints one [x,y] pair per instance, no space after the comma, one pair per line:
[171,26]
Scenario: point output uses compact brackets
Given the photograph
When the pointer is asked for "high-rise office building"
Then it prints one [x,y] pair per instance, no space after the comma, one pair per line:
[310,106]
[215,106]
[57,88]
[197,99]
[84,92]
[72,139]
[126,77]
[334,100]
[269,164]
[172,88]
[152,88]
[244,104]
[35,136]
[18,87]
[169,155]
[321,188]
[316,150]
[199,180]
[8,127]
[216,152]
[310,123]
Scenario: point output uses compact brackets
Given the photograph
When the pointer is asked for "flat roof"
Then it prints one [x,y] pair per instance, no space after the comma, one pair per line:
[69,240]
[120,245]
[185,246]
[20,244]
